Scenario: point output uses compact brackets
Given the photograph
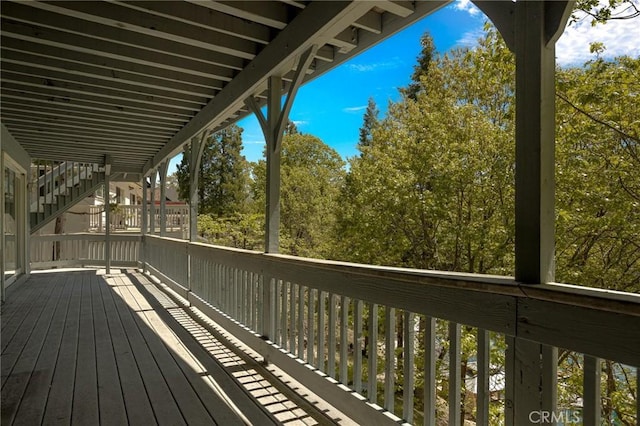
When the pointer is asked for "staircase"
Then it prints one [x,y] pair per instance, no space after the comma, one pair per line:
[57,186]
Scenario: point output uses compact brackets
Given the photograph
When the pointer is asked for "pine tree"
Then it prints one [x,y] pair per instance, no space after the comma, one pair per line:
[425,58]
[369,121]
[223,174]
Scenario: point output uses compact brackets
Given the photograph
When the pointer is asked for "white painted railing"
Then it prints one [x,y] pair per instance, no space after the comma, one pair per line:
[313,319]
[86,249]
[125,217]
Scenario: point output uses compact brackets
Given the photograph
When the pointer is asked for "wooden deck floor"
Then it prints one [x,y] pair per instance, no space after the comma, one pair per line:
[83,348]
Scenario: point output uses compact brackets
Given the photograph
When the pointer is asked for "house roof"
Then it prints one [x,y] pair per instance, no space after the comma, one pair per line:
[131,82]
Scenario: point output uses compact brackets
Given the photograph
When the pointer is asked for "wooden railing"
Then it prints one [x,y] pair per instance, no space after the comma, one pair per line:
[128,217]
[86,249]
[329,324]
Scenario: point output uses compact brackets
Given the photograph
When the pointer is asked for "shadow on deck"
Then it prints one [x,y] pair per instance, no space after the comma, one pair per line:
[81,347]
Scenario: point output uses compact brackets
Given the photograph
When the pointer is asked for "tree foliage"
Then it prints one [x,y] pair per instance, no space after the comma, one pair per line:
[223,174]
[311,177]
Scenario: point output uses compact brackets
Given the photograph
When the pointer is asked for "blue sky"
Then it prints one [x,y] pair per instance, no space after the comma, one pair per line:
[331,107]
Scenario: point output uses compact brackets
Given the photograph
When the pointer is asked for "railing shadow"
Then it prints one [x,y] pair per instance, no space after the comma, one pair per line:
[240,369]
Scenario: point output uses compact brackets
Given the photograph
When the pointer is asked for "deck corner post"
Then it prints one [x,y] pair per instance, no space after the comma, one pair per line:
[532,382]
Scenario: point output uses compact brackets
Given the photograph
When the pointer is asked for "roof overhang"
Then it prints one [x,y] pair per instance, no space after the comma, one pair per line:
[134,81]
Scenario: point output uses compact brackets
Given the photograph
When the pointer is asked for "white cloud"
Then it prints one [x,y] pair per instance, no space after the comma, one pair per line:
[467,6]
[620,37]
[355,109]
[253,142]
[387,65]
[470,38]
[299,123]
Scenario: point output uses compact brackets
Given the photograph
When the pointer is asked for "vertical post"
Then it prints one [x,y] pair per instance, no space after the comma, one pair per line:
[273,137]
[482,381]
[2,244]
[144,224]
[429,371]
[107,214]
[152,207]
[408,359]
[197,145]
[537,26]
[454,373]
[535,145]
[163,197]
[591,398]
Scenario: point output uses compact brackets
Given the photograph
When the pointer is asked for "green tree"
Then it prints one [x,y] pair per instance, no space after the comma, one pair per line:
[598,184]
[311,176]
[369,122]
[223,175]
[421,69]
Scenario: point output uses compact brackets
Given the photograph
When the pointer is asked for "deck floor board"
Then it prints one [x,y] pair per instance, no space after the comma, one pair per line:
[84,348]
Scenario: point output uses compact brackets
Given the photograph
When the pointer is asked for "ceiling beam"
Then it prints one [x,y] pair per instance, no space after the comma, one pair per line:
[316,24]
[196,14]
[72,95]
[95,105]
[36,118]
[38,69]
[272,14]
[156,57]
[119,69]
[137,21]
[50,82]
[49,109]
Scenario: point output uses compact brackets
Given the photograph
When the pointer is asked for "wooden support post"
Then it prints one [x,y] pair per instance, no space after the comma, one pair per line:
[144,224]
[2,243]
[107,210]
[152,215]
[536,28]
[197,146]
[273,129]
[163,197]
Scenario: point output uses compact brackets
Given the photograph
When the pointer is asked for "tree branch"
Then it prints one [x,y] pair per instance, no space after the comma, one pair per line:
[596,119]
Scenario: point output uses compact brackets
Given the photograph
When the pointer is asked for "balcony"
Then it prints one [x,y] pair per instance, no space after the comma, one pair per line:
[198,334]
[307,318]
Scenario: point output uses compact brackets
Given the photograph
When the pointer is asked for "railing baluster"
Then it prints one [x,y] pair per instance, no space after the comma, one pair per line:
[244,300]
[429,372]
[252,298]
[284,335]
[321,330]
[301,332]
[389,358]
[357,347]
[277,329]
[509,381]
[344,349]
[454,373]
[408,365]
[331,358]
[372,353]
[292,318]
[591,398]
[482,359]
[311,336]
